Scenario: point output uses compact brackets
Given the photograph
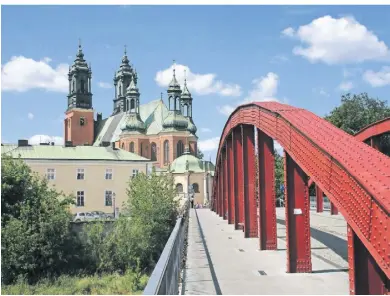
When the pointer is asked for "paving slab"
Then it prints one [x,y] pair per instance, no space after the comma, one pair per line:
[224,262]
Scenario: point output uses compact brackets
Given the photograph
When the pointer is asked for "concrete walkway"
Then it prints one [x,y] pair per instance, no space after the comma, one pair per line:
[221,261]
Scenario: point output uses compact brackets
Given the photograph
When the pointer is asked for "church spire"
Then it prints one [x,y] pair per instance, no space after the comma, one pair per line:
[174,92]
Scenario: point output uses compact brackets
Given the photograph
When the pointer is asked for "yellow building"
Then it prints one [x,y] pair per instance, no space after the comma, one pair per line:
[96,176]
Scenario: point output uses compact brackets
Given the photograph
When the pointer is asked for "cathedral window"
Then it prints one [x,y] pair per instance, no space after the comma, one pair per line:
[82,86]
[127,105]
[177,104]
[132,105]
[166,152]
[73,85]
[132,147]
[179,148]
[120,90]
[153,152]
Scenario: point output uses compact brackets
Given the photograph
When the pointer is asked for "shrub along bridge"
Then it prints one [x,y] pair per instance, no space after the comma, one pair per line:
[354,176]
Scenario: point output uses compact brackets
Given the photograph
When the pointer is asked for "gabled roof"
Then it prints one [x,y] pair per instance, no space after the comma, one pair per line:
[70,153]
[152,114]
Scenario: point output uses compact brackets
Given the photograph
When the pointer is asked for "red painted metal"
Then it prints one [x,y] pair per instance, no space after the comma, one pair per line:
[319,199]
[225,187]
[354,176]
[333,209]
[230,171]
[221,196]
[351,260]
[375,129]
[298,216]
[250,215]
[266,191]
[238,177]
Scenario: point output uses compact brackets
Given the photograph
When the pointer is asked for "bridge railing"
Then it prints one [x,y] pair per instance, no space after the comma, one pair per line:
[165,277]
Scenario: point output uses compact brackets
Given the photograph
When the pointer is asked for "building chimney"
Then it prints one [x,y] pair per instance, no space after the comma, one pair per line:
[99,116]
[68,144]
[22,143]
[105,144]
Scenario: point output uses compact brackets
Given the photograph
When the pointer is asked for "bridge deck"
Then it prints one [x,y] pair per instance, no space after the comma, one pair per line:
[225,262]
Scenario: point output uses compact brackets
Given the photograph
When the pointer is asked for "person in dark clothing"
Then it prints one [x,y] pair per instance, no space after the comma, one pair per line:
[192,202]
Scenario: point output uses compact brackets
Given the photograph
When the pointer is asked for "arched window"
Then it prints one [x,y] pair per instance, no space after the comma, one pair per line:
[73,86]
[123,145]
[195,187]
[166,151]
[127,105]
[177,105]
[179,149]
[179,188]
[82,85]
[153,153]
[172,105]
[185,110]
[132,105]
[120,90]
[132,147]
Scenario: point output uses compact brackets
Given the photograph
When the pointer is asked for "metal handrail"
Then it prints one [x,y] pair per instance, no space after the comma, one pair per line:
[165,277]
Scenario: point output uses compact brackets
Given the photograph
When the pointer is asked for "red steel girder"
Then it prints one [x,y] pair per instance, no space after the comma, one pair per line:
[266,191]
[319,200]
[354,176]
[221,203]
[375,129]
[250,218]
[230,171]
[298,217]
[225,186]
[333,209]
[238,175]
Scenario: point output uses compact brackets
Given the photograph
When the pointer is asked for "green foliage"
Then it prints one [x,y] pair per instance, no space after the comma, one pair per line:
[153,210]
[36,236]
[105,284]
[200,154]
[358,111]
[279,175]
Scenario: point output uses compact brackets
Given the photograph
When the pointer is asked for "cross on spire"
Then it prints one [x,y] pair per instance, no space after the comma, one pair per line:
[174,68]
[79,42]
[185,76]
[125,49]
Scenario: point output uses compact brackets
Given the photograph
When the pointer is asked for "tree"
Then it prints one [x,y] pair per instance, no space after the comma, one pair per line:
[153,208]
[200,154]
[36,236]
[279,175]
[358,111]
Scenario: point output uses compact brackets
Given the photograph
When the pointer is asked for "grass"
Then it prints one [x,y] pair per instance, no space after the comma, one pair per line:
[69,285]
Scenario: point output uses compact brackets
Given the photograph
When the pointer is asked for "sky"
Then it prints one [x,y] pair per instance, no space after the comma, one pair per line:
[305,56]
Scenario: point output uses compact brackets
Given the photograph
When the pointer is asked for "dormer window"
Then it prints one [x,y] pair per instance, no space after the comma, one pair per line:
[82,121]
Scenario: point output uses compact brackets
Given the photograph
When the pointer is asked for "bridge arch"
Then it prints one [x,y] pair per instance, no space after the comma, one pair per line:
[354,176]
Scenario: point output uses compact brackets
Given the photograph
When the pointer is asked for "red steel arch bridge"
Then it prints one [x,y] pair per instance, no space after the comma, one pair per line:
[354,176]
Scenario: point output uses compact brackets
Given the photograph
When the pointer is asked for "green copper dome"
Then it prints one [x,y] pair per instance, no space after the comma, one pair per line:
[133,123]
[175,120]
[191,126]
[186,162]
[186,93]
[132,89]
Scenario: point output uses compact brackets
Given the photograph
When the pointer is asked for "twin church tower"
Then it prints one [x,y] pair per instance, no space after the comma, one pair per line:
[151,130]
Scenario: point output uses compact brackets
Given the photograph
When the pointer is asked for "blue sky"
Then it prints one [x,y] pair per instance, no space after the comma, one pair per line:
[306,56]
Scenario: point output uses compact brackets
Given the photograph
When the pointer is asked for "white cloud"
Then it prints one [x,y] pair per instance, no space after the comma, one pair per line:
[30,116]
[104,85]
[22,74]
[209,144]
[37,139]
[278,147]
[201,84]
[278,59]
[288,32]
[205,130]
[335,41]
[377,79]
[264,89]
[321,91]
[346,86]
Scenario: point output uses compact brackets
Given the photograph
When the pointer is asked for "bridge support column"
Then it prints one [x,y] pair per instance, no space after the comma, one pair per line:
[221,209]
[238,174]
[319,199]
[230,180]
[365,276]
[333,209]
[225,186]
[250,219]
[297,217]
[266,191]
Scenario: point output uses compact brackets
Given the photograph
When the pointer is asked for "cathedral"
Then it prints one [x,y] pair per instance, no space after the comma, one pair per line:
[153,130]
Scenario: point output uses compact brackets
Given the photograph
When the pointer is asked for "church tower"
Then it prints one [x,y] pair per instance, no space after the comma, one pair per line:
[79,121]
[122,79]
[186,107]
